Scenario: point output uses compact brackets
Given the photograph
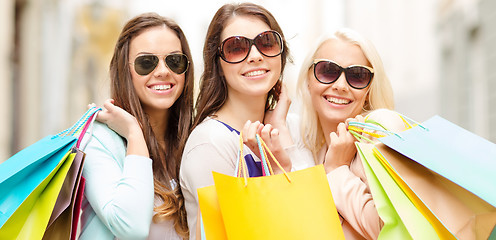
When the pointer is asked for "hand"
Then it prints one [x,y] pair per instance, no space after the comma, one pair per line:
[277,117]
[341,149]
[358,118]
[124,124]
[118,119]
[271,138]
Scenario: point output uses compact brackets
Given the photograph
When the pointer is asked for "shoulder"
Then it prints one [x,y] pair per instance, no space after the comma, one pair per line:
[390,119]
[210,140]
[103,132]
[102,138]
[210,132]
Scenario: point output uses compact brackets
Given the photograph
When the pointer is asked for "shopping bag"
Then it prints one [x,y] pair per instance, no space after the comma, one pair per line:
[393,226]
[212,221]
[62,218]
[409,215]
[23,172]
[463,213]
[65,216]
[451,151]
[32,180]
[294,205]
[443,203]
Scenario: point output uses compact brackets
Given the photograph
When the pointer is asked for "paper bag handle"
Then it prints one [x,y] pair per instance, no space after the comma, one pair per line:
[242,168]
[377,130]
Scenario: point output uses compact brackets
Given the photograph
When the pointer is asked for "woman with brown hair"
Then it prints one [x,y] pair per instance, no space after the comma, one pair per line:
[133,157]
[245,53]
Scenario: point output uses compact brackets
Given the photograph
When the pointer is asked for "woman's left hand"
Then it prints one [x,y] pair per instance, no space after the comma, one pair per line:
[277,117]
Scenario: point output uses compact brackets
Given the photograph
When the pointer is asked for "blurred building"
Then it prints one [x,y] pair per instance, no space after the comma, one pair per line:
[55,54]
[6,70]
[466,34]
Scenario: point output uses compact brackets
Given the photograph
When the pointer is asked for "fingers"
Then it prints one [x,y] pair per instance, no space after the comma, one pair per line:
[360,118]
[342,129]
[109,105]
[107,109]
[91,105]
[333,138]
[265,132]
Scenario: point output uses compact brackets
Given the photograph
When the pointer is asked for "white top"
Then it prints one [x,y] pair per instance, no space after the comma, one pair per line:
[214,147]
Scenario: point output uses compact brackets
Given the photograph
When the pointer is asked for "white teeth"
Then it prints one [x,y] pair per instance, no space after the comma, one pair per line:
[162,87]
[337,100]
[254,73]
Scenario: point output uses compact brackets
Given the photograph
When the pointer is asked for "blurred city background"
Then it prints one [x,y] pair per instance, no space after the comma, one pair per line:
[54,54]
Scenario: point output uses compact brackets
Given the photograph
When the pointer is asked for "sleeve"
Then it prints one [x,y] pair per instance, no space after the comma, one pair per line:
[354,202]
[196,172]
[120,193]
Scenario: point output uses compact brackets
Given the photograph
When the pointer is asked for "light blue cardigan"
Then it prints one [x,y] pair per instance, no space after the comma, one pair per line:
[119,192]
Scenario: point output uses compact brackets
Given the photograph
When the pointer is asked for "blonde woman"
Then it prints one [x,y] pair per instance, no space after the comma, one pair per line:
[343,79]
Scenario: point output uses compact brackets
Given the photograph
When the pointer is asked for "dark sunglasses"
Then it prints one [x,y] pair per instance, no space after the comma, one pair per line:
[327,72]
[146,63]
[236,49]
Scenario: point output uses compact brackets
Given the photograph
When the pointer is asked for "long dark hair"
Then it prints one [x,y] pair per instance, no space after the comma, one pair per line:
[213,87]
[166,161]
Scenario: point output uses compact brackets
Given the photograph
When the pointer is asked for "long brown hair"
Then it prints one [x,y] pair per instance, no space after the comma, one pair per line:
[166,161]
[213,86]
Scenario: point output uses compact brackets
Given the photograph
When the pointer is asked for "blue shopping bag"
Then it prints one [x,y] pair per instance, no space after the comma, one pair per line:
[451,151]
[22,173]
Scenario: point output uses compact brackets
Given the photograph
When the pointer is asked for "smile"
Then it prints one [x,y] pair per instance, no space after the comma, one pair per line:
[339,101]
[255,73]
[162,87]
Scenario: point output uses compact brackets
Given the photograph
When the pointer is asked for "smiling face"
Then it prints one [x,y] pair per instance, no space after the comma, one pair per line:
[336,102]
[159,89]
[257,74]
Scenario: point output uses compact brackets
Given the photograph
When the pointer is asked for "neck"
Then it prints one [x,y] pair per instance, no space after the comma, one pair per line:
[327,128]
[158,123]
[237,110]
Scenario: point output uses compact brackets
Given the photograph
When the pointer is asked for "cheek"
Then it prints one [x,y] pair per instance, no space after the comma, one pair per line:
[227,70]
[361,96]
[181,80]
[315,91]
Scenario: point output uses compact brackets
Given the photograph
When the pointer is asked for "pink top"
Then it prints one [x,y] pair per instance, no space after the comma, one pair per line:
[349,185]
[353,200]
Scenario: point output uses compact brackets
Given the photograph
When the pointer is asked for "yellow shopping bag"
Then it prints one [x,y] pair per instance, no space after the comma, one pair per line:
[294,205]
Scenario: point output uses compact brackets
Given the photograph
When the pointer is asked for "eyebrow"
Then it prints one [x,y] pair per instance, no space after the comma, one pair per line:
[150,53]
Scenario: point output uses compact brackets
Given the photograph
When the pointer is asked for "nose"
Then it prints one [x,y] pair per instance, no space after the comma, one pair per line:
[161,70]
[340,84]
[254,55]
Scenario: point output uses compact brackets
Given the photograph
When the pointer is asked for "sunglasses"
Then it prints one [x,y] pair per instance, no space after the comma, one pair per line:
[236,49]
[327,72]
[146,63]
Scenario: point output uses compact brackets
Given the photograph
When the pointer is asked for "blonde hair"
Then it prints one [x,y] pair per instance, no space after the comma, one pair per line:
[380,93]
